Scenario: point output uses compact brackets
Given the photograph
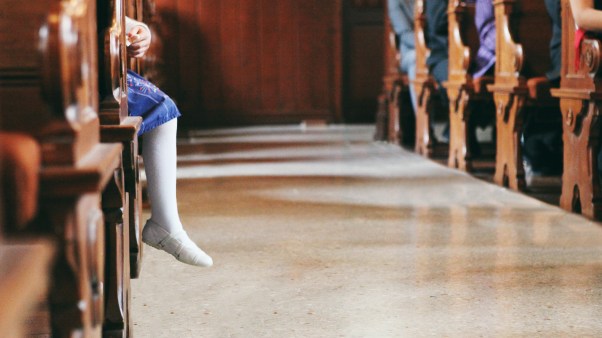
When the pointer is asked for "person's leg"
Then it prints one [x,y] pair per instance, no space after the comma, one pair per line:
[160,161]
[408,65]
[164,229]
[440,72]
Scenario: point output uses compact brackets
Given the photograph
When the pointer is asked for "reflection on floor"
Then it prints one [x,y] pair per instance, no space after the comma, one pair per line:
[322,233]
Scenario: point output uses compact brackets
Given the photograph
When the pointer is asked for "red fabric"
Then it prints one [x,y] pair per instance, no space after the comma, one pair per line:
[579,36]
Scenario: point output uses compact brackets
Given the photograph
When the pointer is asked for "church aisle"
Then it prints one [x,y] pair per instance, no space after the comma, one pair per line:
[319,232]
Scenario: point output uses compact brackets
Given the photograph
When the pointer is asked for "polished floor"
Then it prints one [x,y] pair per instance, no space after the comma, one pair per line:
[318,232]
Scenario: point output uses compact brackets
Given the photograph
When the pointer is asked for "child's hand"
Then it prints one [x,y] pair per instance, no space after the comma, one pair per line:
[139,39]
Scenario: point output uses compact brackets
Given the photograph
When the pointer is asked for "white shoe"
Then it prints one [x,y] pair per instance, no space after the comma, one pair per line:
[177,244]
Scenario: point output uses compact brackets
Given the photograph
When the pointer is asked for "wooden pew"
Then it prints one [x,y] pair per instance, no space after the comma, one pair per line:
[523,33]
[395,116]
[24,262]
[580,96]
[463,91]
[425,87]
[391,73]
[76,168]
[116,125]
[124,204]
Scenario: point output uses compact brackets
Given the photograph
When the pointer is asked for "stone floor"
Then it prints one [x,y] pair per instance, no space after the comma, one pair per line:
[319,232]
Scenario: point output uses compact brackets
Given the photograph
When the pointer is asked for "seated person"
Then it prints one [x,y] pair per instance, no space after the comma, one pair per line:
[588,15]
[437,41]
[542,141]
[437,35]
[401,15]
[553,7]
[483,65]
[164,229]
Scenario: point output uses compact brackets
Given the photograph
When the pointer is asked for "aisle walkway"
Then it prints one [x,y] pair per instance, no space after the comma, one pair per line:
[322,233]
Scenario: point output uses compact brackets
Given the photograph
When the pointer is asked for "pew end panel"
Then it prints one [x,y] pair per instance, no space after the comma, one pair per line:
[522,54]
[401,116]
[63,118]
[117,126]
[113,61]
[395,115]
[580,95]
[464,92]
[391,73]
[126,133]
[425,87]
[117,320]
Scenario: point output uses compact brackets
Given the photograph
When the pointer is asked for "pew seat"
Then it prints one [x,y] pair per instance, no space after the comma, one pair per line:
[540,89]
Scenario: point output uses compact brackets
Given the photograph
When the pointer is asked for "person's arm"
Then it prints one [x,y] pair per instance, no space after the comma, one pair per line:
[139,36]
[395,16]
[586,17]
[402,20]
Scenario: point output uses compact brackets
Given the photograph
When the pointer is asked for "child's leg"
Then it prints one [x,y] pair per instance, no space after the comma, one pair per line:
[164,229]
[160,162]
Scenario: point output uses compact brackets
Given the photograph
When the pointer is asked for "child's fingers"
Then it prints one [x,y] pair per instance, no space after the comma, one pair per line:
[136,30]
[139,46]
[137,34]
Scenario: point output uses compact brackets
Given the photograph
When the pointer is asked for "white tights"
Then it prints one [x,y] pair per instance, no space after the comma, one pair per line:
[159,152]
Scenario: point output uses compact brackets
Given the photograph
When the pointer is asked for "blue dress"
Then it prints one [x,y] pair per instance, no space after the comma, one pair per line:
[149,102]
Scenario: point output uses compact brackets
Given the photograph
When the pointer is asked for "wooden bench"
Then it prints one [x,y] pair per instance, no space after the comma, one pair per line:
[523,32]
[395,116]
[463,91]
[76,168]
[124,205]
[580,96]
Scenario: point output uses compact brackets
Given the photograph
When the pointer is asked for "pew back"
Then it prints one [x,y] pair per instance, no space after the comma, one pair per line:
[464,39]
[580,96]
[62,64]
[522,37]
[112,61]
[579,72]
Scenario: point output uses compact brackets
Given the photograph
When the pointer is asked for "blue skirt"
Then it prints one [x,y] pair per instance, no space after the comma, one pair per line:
[149,102]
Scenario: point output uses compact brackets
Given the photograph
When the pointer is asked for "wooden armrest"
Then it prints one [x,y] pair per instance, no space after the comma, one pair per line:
[20,160]
[125,131]
[91,175]
[480,84]
[539,88]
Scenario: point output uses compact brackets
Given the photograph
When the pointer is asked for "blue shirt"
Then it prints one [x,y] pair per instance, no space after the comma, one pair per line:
[401,14]
[485,23]
[436,31]
[553,7]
